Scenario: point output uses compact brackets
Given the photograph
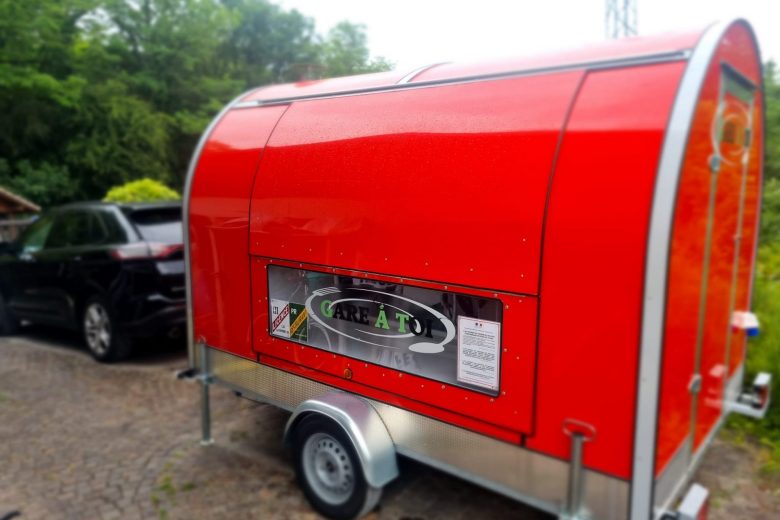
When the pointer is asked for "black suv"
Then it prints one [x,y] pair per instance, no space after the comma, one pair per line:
[113,271]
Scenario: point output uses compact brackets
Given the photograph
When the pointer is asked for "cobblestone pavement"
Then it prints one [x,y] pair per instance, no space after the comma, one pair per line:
[88,441]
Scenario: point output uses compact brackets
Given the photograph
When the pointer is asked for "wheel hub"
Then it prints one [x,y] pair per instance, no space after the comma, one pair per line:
[97,328]
[328,468]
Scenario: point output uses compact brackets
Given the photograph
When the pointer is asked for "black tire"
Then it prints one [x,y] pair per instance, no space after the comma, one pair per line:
[100,332]
[320,433]
[8,323]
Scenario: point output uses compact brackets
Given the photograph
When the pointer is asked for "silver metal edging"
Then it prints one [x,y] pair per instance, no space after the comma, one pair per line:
[509,469]
[480,481]
[656,270]
[416,72]
[733,386]
[186,219]
[632,61]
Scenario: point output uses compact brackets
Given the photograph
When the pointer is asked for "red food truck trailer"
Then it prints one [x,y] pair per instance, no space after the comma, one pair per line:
[534,274]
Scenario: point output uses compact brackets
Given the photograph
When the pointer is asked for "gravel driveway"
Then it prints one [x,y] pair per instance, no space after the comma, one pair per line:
[87,441]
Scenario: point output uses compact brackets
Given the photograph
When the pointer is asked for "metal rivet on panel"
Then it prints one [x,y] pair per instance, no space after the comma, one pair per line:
[385,259]
[445,287]
[495,295]
[506,350]
[503,392]
[492,400]
[426,263]
[443,387]
[506,306]
[341,253]
[400,375]
[471,269]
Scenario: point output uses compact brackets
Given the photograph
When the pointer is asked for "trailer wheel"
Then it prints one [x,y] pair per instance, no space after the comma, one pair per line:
[329,470]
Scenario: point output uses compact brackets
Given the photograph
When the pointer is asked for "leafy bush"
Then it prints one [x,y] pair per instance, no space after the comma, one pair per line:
[142,190]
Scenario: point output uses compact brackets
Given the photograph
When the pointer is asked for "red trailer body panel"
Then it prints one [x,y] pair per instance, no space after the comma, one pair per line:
[511,413]
[456,171]
[219,227]
[593,261]
[678,415]
[503,249]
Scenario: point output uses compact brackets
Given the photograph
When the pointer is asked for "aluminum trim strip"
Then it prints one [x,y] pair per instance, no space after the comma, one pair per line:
[505,468]
[632,61]
[416,72]
[656,270]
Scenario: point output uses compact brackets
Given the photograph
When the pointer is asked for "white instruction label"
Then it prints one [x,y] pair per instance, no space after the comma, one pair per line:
[280,318]
[478,352]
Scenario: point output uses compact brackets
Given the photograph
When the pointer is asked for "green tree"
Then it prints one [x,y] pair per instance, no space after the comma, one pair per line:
[345,52]
[98,92]
[772,134]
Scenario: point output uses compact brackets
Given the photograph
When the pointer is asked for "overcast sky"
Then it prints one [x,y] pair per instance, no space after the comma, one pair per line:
[413,33]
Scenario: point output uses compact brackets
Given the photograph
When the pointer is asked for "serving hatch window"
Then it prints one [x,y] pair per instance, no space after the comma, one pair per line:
[450,337]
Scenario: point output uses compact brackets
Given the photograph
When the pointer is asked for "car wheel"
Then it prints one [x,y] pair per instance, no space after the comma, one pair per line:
[8,322]
[100,333]
[329,470]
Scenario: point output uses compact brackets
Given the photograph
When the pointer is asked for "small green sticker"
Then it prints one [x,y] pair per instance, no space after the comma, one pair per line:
[299,322]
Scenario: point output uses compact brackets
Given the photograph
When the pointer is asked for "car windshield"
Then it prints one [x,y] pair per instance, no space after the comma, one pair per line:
[158,224]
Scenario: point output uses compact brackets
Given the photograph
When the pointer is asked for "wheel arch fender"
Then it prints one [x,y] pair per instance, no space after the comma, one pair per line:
[364,427]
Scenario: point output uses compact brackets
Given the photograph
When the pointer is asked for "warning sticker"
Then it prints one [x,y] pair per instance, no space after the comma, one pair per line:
[299,328]
[479,342]
[280,318]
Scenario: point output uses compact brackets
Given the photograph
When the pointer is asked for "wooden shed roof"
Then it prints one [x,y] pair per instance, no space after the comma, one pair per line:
[13,203]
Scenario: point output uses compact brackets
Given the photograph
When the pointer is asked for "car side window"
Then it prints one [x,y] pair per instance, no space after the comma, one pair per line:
[115,233]
[97,233]
[34,237]
[71,229]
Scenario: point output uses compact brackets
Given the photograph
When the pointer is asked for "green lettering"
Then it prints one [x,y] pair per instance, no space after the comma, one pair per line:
[325,309]
[401,317]
[381,320]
